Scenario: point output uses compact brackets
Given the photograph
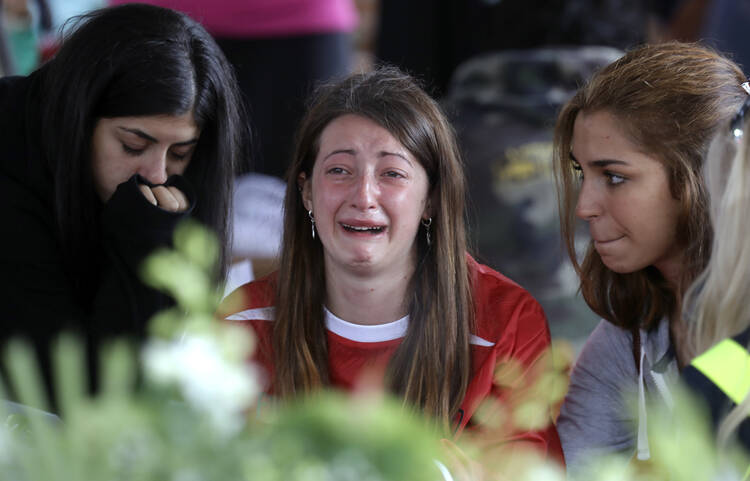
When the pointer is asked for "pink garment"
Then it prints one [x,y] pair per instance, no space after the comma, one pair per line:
[265,18]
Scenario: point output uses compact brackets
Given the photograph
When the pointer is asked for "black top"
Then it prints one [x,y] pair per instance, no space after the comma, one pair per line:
[718,403]
[38,295]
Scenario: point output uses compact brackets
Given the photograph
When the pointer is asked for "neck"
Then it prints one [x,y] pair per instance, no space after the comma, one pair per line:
[368,298]
[671,270]
[679,333]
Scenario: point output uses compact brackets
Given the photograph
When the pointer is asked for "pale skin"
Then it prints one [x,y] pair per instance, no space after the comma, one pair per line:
[368,195]
[154,147]
[626,200]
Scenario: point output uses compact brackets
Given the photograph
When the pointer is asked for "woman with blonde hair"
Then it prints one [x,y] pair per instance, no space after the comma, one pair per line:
[374,273]
[717,303]
[629,149]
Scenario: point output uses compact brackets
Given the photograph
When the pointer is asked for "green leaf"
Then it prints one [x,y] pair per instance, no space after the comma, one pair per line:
[197,244]
[117,379]
[70,373]
[24,374]
[25,378]
[185,281]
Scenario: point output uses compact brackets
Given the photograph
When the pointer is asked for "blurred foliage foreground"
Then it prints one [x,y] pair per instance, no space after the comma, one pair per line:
[199,413]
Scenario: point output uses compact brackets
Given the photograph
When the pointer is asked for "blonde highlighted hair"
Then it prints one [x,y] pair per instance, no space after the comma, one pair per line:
[717,303]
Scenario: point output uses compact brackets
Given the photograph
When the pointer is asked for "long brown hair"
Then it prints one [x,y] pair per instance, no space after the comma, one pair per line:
[670,99]
[431,367]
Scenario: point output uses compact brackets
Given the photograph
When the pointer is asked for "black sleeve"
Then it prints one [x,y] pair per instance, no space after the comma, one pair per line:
[36,289]
[132,228]
[702,387]
[716,401]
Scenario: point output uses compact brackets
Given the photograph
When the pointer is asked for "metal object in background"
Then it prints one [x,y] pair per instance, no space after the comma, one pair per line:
[503,106]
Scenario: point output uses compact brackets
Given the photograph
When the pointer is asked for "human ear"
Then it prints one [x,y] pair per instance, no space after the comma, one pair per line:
[303,184]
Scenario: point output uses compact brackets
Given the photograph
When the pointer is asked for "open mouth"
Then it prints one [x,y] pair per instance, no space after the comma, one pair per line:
[363,228]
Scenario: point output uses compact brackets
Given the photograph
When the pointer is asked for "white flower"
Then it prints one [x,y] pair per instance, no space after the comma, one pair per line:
[209,382]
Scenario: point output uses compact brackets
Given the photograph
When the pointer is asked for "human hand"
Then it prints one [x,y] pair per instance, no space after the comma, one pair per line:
[168,197]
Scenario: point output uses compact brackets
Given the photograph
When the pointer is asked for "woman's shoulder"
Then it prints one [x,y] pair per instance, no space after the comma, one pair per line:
[21,138]
[490,285]
[254,300]
[13,93]
[503,307]
[608,345]
[13,90]
[252,305]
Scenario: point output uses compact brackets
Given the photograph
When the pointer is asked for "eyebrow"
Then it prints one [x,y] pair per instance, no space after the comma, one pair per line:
[600,163]
[145,136]
[340,151]
[382,153]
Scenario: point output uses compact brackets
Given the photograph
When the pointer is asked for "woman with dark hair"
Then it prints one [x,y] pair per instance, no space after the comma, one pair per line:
[374,272]
[134,125]
[629,149]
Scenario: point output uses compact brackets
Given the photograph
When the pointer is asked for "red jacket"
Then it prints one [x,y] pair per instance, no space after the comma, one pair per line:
[510,325]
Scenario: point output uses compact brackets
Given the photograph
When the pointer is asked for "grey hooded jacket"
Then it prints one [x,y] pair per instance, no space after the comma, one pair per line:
[597,416]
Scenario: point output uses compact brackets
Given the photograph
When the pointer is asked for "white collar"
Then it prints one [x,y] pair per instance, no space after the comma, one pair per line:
[366,333]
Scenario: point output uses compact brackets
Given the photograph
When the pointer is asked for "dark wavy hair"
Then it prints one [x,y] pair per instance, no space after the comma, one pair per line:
[137,60]
[431,367]
[670,99]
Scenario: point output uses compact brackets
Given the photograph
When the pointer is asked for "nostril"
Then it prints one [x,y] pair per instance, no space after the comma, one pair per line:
[155,179]
[365,194]
[154,174]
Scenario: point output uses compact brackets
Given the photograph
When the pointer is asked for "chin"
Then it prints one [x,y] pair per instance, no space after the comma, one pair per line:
[621,267]
[358,261]
[361,256]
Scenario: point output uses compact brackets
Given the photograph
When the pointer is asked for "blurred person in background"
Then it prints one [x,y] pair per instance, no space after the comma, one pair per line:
[34,28]
[430,38]
[105,150]
[22,23]
[721,24]
[629,149]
